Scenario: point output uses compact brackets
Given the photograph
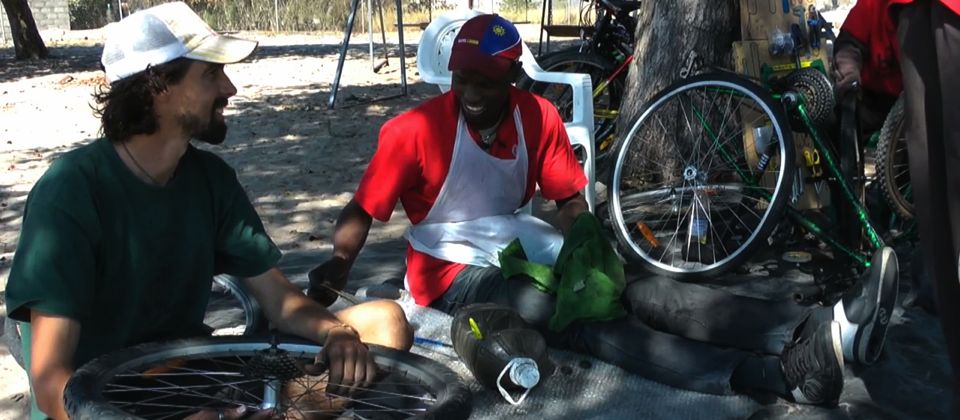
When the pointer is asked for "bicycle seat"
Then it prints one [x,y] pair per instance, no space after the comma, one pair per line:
[617,6]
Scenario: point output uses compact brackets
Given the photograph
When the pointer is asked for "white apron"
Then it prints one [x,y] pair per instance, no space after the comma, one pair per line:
[475,216]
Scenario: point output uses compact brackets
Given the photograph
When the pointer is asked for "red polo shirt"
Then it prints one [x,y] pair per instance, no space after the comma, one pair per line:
[413,157]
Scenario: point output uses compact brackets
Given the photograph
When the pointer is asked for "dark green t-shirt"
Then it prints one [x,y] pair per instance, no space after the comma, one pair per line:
[132,262]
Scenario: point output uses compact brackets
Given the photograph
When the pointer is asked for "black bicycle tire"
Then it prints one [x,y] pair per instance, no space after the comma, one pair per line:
[852,168]
[890,137]
[13,341]
[84,400]
[254,321]
[777,205]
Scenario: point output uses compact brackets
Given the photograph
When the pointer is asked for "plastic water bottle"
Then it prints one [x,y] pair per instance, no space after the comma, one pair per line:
[501,350]
[700,224]
[781,43]
[762,141]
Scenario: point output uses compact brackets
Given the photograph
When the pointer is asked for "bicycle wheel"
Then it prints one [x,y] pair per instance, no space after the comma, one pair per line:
[175,379]
[893,165]
[230,300]
[606,102]
[702,177]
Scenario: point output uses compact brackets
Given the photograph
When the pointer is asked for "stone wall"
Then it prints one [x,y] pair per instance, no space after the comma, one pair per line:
[49,14]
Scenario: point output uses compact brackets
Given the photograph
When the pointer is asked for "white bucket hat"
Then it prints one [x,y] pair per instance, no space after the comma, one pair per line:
[162,34]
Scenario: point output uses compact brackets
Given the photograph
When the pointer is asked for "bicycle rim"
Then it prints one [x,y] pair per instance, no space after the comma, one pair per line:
[175,379]
[687,196]
[230,302]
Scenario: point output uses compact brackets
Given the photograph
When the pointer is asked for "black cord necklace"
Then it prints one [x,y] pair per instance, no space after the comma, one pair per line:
[489,135]
[137,164]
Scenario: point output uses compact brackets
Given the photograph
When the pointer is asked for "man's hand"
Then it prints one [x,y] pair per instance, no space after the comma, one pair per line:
[329,275]
[349,362]
[568,210]
[847,64]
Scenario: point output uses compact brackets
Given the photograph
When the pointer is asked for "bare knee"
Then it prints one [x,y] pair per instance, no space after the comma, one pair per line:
[382,322]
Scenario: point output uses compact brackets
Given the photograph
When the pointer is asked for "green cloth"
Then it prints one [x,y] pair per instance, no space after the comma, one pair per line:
[132,262]
[588,276]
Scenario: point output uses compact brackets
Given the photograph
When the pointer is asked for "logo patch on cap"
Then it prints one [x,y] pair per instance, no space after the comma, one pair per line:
[486,43]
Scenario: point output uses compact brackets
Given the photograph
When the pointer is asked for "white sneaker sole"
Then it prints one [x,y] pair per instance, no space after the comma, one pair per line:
[856,338]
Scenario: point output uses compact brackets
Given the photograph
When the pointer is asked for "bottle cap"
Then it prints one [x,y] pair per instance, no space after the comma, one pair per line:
[525,373]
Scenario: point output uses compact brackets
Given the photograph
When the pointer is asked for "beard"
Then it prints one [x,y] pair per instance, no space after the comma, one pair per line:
[213,130]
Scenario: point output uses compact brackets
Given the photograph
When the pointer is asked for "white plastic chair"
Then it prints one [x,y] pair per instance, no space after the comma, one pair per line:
[433,54]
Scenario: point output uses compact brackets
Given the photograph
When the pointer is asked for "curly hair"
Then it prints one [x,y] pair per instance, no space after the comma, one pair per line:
[125,107]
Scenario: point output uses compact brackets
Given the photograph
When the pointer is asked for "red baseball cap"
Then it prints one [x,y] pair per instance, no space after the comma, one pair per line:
[488,44]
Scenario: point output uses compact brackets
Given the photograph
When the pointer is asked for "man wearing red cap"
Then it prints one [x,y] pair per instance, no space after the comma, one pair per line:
[464,162]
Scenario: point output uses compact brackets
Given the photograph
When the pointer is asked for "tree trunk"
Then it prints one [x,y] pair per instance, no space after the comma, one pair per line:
[26,39]
[666,32]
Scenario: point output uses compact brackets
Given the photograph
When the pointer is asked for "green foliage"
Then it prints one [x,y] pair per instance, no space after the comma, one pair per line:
[293,15]
[90,14]
[519,6]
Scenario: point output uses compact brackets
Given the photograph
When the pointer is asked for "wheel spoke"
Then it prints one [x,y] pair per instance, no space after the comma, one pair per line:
[689,155]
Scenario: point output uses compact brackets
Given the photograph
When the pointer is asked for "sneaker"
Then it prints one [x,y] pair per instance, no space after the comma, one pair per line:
[865,310]
[813,366]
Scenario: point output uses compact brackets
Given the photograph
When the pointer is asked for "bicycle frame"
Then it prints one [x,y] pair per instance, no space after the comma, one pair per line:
[602,86]
[795,103]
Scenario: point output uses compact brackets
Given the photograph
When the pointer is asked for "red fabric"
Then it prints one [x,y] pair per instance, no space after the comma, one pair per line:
[953,5]
[414,154]
[870,24]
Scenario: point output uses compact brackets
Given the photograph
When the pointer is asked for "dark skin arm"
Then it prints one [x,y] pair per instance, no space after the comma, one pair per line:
[352,228]
[568,210]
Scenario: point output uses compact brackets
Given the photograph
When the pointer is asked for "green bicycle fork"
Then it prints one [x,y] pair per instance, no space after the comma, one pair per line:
[794,214]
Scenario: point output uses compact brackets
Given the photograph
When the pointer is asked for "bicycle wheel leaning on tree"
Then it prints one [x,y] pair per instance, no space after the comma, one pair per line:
[179,378]
[702,177]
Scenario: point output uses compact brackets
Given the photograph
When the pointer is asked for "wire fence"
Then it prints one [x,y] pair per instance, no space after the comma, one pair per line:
[320,15]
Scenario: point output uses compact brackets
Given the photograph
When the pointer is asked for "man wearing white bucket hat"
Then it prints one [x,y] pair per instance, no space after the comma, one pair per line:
[121,237]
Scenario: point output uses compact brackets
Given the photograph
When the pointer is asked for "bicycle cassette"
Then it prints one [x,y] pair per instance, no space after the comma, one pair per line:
[817,92]
[272,363]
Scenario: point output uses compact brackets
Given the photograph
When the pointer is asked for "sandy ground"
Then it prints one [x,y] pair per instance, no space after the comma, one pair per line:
[298,160]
